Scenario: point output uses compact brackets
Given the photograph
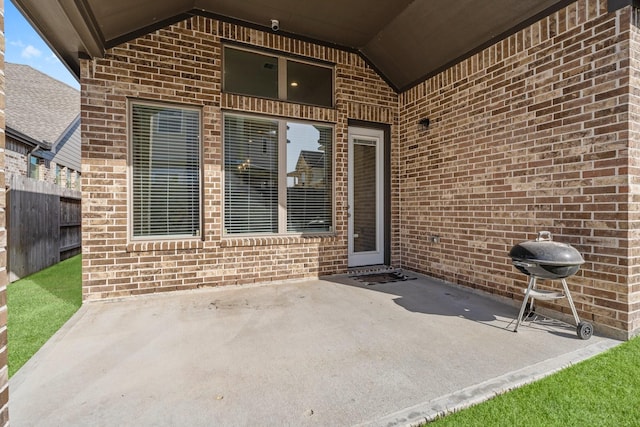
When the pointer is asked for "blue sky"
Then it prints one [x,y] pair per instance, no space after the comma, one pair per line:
[25,46]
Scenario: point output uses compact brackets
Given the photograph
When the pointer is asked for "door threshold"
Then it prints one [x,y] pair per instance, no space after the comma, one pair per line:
[368,269]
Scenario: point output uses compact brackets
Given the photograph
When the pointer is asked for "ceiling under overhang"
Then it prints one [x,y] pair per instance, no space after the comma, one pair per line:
[404,40]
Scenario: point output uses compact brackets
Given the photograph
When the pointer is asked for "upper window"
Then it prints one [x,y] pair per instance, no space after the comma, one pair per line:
[250,73]
[165,164]
[58,179]
[309,84]
[68,178]
[264,75]
[34,167]
[278,176]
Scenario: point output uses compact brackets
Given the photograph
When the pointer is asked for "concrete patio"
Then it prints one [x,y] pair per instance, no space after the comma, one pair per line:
[330,352]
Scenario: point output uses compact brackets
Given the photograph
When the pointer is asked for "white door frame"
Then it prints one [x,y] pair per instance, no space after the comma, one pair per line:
[375,257]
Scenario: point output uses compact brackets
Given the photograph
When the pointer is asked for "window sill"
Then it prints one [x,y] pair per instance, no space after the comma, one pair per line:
[234,242]
[165,245]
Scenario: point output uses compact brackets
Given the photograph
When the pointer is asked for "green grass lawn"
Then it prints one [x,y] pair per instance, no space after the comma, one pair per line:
[38,305]
[602,391]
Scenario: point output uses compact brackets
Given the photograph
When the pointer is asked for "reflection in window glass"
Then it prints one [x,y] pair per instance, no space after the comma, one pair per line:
[250,73]
[308,177]
[309,84]
[256,186]
[364,210]
[58,175]
[34,167]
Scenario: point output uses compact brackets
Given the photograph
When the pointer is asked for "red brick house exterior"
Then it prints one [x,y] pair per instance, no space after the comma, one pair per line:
[538,131]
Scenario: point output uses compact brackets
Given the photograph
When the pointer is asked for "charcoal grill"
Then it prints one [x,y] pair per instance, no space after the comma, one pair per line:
[543,258]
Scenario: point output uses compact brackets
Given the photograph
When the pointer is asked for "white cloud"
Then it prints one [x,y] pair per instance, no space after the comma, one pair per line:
[30,52]
[17,43]
[51,58]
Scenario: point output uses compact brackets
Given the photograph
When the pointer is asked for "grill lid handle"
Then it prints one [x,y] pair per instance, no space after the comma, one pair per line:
[543,236]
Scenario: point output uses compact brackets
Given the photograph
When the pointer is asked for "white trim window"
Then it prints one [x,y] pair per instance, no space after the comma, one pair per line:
[165,170]
[278,176]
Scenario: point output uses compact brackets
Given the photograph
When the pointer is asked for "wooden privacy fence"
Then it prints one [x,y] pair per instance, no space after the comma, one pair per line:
[43,225]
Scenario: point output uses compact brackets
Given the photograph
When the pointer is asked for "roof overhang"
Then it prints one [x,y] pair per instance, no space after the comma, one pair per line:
[27,140]
[406,41]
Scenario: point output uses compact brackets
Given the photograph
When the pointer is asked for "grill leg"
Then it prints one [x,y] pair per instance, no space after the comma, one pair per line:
[571,304]
[532,283]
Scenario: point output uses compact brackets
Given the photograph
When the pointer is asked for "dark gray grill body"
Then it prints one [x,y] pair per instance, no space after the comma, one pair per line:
[545,259]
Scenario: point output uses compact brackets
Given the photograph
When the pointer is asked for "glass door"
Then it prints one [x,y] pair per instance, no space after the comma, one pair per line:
[366,197]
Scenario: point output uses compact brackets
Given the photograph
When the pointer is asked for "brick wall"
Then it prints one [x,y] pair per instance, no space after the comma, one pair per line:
[634,173]
[15,157]
[4,372]
[536,132]
[530,134]
[181,64]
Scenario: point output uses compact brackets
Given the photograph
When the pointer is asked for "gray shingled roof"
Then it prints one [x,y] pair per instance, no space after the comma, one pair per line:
[315,159]
[38,106]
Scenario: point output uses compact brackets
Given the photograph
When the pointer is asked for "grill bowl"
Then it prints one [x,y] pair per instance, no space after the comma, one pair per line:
[545,258]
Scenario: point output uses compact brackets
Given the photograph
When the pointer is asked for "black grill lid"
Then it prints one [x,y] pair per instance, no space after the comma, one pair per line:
[546,252]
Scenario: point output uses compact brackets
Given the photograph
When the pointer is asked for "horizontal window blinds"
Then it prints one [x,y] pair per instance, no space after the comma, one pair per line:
[165,171]
[250,175]
[277,181]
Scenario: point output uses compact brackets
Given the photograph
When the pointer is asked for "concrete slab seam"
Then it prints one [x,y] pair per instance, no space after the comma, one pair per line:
[428,411]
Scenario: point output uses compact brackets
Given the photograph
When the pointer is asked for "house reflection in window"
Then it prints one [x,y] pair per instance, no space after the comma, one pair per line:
[310,170]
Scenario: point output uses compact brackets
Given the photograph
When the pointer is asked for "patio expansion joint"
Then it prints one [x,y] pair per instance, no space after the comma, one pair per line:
[430,410]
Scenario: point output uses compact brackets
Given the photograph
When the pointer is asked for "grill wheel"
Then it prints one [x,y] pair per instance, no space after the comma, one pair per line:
[584,330]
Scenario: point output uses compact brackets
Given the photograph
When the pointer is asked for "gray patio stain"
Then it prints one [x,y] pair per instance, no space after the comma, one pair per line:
[320,352]
[383,277]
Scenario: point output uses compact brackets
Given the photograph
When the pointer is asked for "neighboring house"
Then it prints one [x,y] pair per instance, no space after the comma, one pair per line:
[310,170]
[195,115]
[42,170]
[42,127]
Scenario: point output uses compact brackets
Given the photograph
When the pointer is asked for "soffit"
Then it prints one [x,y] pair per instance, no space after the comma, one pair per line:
[405,40]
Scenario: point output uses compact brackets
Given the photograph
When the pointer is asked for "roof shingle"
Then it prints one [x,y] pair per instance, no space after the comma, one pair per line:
[37,105]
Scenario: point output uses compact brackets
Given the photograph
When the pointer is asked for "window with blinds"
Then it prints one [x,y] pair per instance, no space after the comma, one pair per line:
[251,175]
[165,156]
[278,176]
